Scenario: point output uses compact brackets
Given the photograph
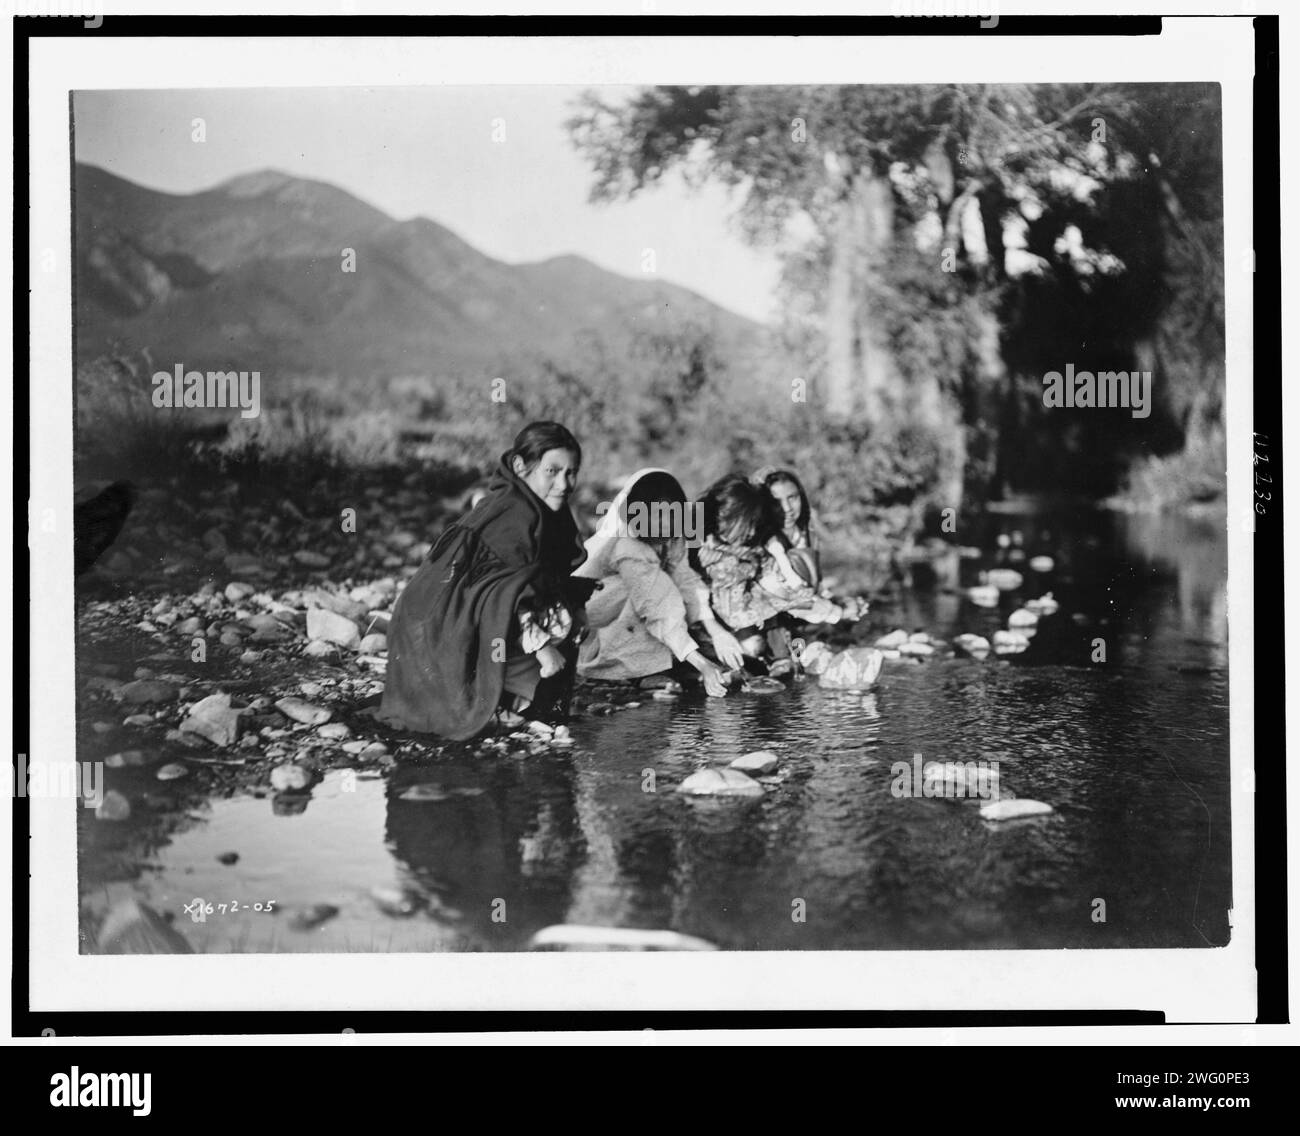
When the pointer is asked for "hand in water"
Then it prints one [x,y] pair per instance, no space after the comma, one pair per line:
[714,687]
[728,648]
[551,661]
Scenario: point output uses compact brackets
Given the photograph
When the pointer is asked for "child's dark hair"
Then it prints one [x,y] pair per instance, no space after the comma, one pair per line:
[805,510]
[734,499]
[537,438]
[658,488]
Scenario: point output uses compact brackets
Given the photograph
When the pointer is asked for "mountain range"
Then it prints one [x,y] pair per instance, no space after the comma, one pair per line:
[249,275]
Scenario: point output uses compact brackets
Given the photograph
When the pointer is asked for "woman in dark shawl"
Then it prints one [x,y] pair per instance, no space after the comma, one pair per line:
[491,617]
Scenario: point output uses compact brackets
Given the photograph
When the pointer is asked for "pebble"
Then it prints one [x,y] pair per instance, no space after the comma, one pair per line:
[172,771]
[720,783]
[1013,809]
[1042,563]
[228,858]
[893,641]
[1022,617]
[311,917]
[915,650]
[147,690]
[975,645]
[1009,642]
[290,778]
[760,761]
[1005,579]
[126,759]
[334,731]
[237,591]
[304,712]
[854,669]
[330,627]
[373,644]
[213,718]
[114,806]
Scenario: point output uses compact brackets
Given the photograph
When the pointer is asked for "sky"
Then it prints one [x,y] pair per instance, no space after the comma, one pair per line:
[431,152]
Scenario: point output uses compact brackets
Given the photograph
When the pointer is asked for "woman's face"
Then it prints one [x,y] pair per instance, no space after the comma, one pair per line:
[553,478]
[786,494]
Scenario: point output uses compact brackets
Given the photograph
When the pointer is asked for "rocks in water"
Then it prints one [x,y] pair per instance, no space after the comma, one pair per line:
[319,649]
[762,684]
[1044,605]
[134,928]
[127,759]
[1042,563]
[983,595]
[573,937]
[290,778]
[309,918]
[147,690]
[374,643]
[759,762]
[815,657]
[395,902]
[303,711]
[663,694]
[916,650]
[541,729]
[172,771]
[1014,809]
[960,779]
[191,626]
[331,627]
[720,783]
[213,718]
[228,858]
[974,645]
[334,731]
[1022,617]
[1009,642]
[561,737]
[236,591]
[114,806]
[1005,579]
[893,641]
[854,669]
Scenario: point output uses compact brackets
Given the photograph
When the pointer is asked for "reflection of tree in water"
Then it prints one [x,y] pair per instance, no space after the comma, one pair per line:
[506,830]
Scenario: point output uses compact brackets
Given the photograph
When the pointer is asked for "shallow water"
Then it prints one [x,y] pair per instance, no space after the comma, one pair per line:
[1132,753]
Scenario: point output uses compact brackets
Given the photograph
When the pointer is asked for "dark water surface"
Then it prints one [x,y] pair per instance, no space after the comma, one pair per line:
[1132,753]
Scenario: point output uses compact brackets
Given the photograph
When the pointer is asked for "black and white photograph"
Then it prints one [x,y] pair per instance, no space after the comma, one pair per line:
[569,511]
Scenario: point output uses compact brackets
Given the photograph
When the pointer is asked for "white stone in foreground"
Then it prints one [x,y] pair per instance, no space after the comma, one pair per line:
[854,669]
[720,783]
[760,761]
[1010,810]
[572,937]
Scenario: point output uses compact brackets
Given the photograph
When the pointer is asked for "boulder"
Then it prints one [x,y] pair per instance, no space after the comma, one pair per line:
[854,669]
[720,783]
[975,645]
[915,649]
[892,641]
[373,644]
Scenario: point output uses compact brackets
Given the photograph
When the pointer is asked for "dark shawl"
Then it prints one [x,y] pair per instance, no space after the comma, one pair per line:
[511,548]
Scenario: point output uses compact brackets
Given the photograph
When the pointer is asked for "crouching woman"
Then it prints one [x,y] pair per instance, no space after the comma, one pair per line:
[490,619]
[648,595]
